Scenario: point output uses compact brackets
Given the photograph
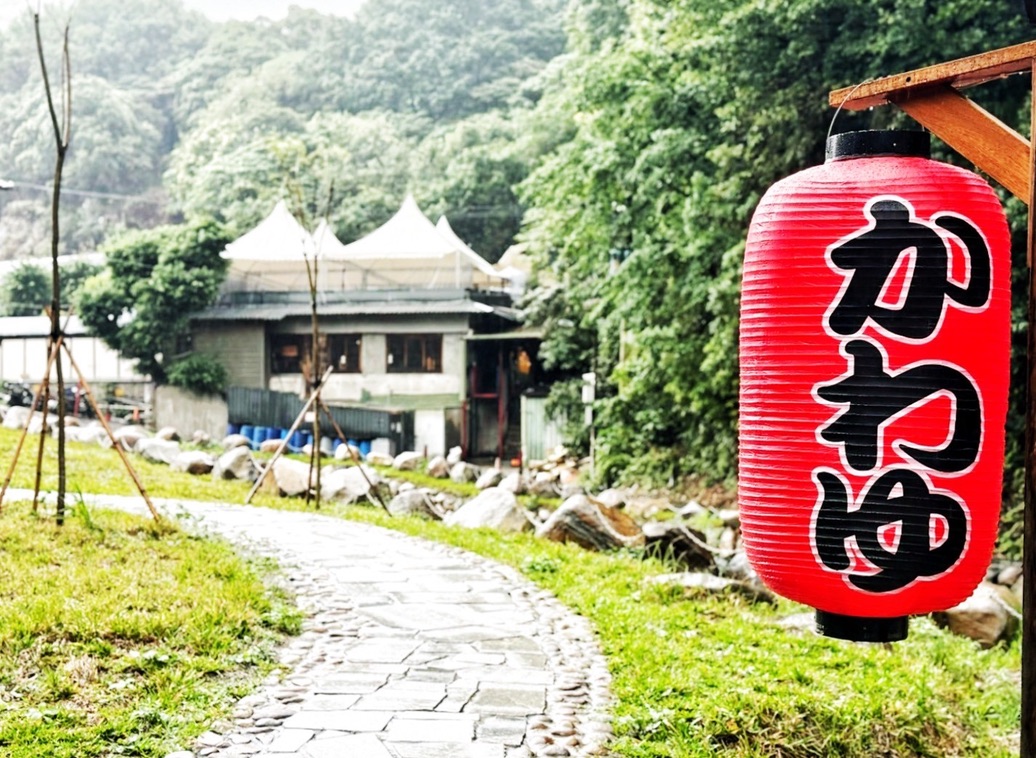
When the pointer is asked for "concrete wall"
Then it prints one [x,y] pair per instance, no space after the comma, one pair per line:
[188,413]
[240,347]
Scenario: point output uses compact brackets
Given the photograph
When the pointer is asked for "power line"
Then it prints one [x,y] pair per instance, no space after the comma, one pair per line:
[9,184]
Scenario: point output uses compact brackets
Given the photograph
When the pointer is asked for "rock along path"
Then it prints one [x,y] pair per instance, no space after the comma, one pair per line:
[410,649]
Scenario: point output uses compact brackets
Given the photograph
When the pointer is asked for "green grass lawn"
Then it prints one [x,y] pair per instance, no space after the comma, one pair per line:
[692,677]
[120,637]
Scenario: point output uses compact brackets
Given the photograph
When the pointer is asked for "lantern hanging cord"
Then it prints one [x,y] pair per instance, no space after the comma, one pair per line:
[841,105]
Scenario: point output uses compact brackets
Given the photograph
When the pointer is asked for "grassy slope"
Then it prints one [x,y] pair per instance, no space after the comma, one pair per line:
[118,636]
[706,676]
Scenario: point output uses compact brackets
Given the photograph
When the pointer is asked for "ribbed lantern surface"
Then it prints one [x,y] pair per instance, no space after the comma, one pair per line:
[874,371]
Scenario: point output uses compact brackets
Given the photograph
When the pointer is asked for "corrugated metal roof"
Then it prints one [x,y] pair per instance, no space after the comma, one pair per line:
[278,312]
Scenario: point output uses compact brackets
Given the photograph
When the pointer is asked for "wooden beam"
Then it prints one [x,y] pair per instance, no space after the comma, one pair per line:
[963,72]
[983,139]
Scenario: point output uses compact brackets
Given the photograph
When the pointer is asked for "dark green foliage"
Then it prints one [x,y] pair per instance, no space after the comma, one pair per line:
[154,280]
[684,116]
[199,373]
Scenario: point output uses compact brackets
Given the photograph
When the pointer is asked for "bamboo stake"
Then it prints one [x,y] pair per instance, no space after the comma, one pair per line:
[284,443]
[28,421]
[45,410]
[111,435]
[353,455]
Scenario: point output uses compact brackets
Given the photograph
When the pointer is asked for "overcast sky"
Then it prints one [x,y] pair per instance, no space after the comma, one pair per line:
[221,10]
[218,10]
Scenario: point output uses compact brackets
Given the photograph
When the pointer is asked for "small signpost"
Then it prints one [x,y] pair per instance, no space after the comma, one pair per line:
[932,97]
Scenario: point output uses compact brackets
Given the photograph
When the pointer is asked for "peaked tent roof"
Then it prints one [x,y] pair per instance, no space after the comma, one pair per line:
[444,228]
[326,242]
[408,234]
[278,237]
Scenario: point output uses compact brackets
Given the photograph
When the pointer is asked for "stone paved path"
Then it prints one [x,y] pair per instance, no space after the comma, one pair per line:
[411,649]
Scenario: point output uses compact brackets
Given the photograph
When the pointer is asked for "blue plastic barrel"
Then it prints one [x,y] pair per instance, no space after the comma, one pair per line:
[247,430]
[365,447]
[233,429]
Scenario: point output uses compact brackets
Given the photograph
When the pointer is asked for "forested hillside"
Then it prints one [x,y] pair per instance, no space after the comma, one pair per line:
[176,117]
[683,112]
[624,143]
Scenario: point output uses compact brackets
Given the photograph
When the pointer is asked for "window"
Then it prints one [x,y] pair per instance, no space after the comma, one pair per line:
[343,351]
[415,353]
[289,353]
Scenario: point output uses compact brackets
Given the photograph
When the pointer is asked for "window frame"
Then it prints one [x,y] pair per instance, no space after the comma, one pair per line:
[413,353]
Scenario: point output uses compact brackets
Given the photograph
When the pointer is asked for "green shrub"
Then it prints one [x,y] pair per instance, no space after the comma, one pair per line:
[199,373]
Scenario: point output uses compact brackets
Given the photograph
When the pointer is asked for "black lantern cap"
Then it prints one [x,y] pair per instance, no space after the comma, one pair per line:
[847,145]
[860,628]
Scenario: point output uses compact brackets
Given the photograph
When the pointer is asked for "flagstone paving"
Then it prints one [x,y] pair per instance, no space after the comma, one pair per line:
[410,649]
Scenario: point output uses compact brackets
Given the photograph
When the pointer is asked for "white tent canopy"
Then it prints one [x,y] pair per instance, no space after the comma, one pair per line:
[407,235]
[407,251]
[272,256]
[278,237]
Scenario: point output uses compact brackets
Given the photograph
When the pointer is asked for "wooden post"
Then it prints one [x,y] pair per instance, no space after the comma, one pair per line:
[1028,726]
[931,97]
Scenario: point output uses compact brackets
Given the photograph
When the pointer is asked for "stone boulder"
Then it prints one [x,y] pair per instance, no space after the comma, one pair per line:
[438,467]
[513,482]
[491,477]
[591,525]
[737,566]
[347,485]
[988,616]
[203,439]
[544,484]
[157,450]
[348,453]
[292,477]
[16,417]
[462,473]
[415,502]
[407,461]
[168,433]
[379,459]
[494,508]
[693,509]
[270,446]
[129,436]
[454,456]
[236,463]
[612,497]
[696,585]
[236,440]
[671,540]
[90,434]
[730,517]
[194,462]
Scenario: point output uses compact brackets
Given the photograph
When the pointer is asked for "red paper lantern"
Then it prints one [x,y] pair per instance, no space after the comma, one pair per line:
[875,333]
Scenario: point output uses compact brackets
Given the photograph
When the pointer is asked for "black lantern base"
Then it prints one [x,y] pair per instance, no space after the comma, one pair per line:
[861,628]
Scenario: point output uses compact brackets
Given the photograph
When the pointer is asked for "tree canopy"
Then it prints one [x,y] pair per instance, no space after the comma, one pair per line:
[153,281]
[683,114]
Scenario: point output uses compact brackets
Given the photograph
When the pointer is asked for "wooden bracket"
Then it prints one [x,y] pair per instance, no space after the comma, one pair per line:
[931,96]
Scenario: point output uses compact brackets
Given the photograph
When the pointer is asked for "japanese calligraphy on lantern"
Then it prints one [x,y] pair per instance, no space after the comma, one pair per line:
[897,279]
[874,350]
